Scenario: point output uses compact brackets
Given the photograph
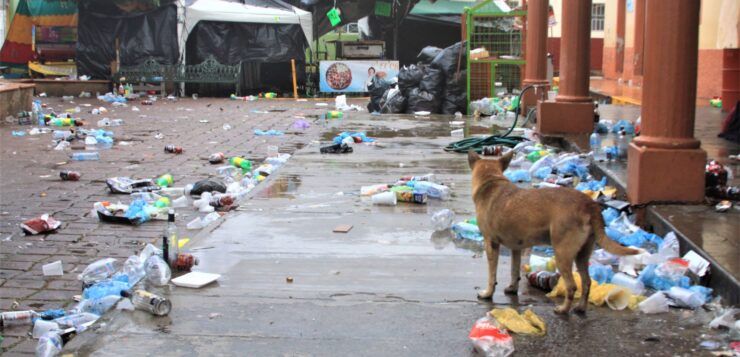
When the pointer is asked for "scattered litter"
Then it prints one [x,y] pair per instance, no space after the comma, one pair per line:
[195,279]
[289,280]
[53,269]
[491,340]
[527,323]
[42,224]
[342,228]
[270,132]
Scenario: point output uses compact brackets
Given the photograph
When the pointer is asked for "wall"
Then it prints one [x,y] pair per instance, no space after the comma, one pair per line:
[712,40]
[597,37]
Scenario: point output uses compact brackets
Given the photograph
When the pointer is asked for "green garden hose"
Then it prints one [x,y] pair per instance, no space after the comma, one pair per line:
[478,143]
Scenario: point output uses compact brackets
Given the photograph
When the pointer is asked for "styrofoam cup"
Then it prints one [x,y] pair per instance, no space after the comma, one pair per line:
[180,202]
[618,298]
[686,297]
[385,199]
[635,286]
[53,269]
[656,303]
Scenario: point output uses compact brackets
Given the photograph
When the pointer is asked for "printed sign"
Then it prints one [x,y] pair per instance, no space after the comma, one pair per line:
[353,76]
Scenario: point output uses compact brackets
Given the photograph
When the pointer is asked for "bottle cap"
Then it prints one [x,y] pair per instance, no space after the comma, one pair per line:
[171,215]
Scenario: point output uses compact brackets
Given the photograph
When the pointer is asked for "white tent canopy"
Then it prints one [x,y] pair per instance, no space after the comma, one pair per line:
[225,11]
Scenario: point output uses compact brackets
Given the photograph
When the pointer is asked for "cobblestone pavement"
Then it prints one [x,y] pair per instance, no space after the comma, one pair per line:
[30,186]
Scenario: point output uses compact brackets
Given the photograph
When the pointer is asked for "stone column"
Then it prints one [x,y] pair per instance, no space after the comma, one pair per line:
[536,52]
[666,162]
[572,110]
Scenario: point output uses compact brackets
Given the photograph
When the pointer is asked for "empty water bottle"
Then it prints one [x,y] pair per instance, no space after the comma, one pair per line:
[158,272]
[595,143]
[134,269]
[99,270]
[467,231]
[76,320]
[86,156]
[49,345]
[102,305]
[11,318]
[106,288]
[432,189]
[442,219]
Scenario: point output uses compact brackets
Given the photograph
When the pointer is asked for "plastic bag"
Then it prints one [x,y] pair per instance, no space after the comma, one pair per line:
[527,323]
[447,60]
[422,101]
[455,96]
[491,340]
[428,54]
[409,77]
[433,81]
[393,101]
[207,186]
[376,88]
[129,185]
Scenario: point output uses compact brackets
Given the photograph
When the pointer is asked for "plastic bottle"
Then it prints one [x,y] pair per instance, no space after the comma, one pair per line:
[432,189]
[49,345]
[185,262]
[158,272]
[170,247]
[427,177]
[86,156]
[165,180]
[241,162]
[76,320]
[467,231]
[99,270]
[334,114]
[146,301]
[373,189]
[623,142]
[41,327]
[134,269]
[102,305]
[10,318]
[442,219]
[172,149]
[544,280]
[595,143]
[105,288]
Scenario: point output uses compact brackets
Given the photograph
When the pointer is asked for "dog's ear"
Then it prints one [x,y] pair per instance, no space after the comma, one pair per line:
[506,159]
[472,158]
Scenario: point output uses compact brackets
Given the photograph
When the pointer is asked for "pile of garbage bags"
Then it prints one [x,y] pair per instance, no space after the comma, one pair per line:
[436,84]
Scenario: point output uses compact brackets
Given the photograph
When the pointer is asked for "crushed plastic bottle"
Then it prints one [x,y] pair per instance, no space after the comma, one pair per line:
[442,219]
[99,270]
[158,272]
[467,231]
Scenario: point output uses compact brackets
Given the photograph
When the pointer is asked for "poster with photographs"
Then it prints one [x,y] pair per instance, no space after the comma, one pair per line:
[353,76]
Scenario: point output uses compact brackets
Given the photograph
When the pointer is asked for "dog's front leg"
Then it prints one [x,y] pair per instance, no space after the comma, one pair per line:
[492,249]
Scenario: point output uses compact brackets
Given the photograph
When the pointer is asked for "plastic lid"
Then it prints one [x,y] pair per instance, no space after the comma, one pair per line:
[171,215]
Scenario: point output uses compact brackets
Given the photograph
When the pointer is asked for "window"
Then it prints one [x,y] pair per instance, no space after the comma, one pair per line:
[597,17]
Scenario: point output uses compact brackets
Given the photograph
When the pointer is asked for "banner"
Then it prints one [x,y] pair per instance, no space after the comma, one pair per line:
[353,76]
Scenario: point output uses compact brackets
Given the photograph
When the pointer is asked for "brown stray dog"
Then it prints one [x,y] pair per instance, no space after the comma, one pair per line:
[519,218]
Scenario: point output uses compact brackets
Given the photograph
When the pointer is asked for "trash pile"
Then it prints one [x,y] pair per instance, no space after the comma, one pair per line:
[410,189]
[716,177]
[436,84]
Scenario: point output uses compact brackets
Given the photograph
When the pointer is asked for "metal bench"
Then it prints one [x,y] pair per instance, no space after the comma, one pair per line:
[209,71]
[148,72]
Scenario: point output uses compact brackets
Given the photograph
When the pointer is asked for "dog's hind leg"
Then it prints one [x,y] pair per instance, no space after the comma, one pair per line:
[516,262]
[582,264]
[564,260]
[492,250]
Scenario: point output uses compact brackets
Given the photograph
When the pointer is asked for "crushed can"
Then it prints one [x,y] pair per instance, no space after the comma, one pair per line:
[67,175]
[544,280]
[172,149]
[217,158]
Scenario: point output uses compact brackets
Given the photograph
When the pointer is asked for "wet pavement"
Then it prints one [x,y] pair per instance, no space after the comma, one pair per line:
[390,286]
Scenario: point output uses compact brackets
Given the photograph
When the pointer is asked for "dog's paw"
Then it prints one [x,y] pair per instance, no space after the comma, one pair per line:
[511,290]
[580,309]
[485,295]
[561,310]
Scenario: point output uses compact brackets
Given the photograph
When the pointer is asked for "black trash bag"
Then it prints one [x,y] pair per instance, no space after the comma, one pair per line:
[428,54]
[376,88]
[393,102]
[433,81]
[409,77]
[447,60]
[455,96]
[207,186]
[422,101]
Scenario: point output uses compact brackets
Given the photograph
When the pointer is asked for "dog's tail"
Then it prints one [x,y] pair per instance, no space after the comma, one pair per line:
[597,223]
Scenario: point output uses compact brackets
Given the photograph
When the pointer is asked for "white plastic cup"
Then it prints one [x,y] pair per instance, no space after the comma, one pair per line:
[551,94]
[385,199]
[53,269]
[618,298]
[686,297]
[656,303]
[634,285]
[180,202]
[40,327]
[196,223]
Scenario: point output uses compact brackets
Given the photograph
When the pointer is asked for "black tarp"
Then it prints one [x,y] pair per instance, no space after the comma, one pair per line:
[140,36]
[265,51]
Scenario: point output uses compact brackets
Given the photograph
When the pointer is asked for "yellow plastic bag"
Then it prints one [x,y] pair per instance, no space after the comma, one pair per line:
[527,324]
[635,300]
[559,289]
